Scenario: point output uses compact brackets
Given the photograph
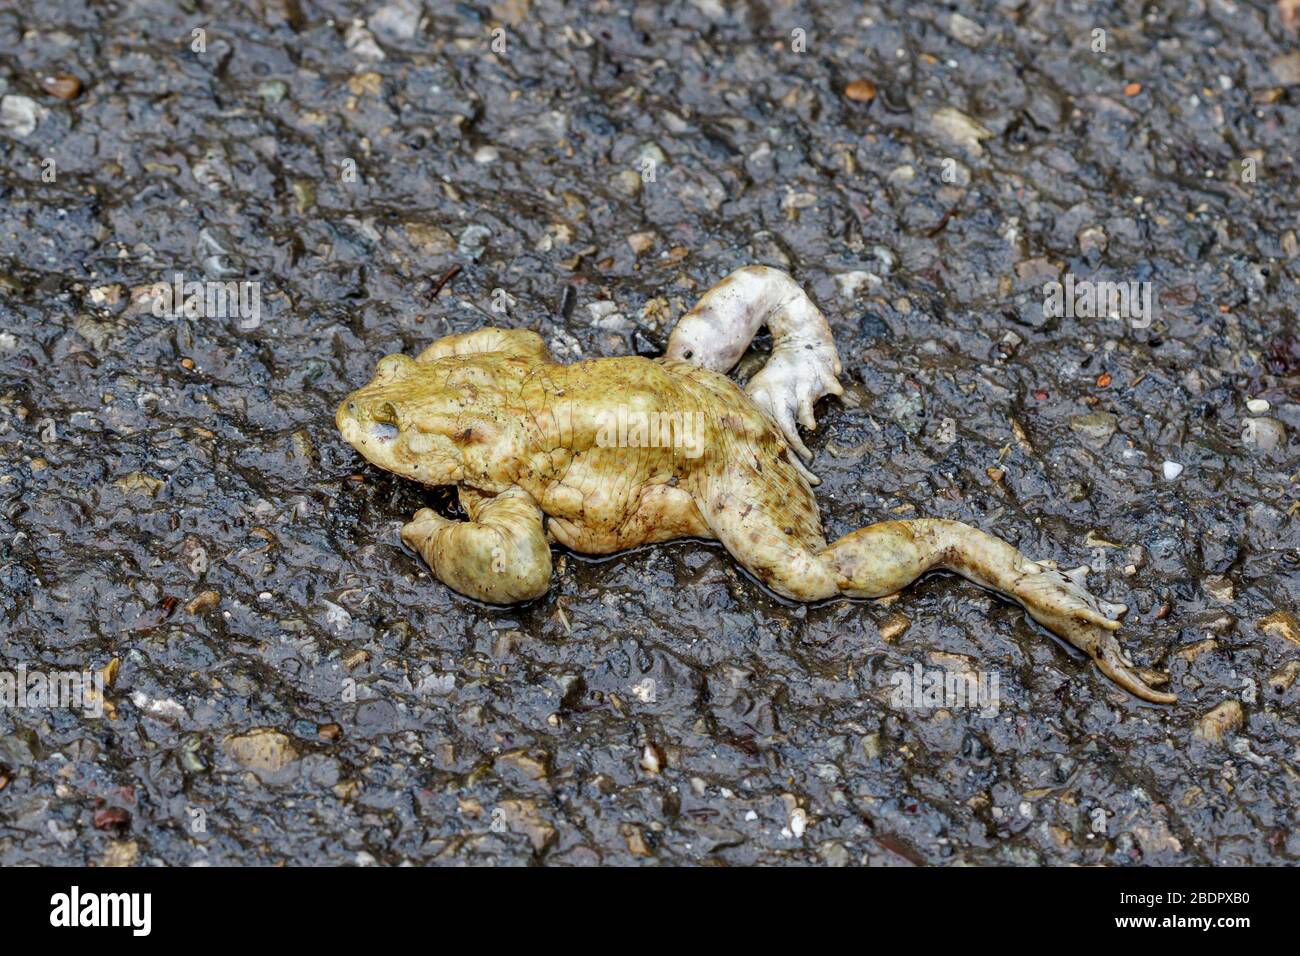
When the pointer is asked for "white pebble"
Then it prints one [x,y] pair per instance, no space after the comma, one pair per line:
[336,616]
[20,114]
[851,283]
[167,707]
[1258,406]
[798,821]
[1172,470]
[650,762]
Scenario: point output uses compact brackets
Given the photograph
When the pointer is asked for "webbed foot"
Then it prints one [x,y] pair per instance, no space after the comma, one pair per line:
[1060,603]
[788,387]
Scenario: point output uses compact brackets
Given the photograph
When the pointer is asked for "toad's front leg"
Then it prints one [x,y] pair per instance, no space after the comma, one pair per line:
[803,365]
[500,555]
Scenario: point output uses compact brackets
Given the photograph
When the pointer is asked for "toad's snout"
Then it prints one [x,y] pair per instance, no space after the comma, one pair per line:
[345,418]
[363,423]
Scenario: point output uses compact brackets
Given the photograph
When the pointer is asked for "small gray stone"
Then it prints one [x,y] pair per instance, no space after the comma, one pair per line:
[965,30]
[1094,427]
[1263,434]
[396,20]
[474,240]
[1286,69]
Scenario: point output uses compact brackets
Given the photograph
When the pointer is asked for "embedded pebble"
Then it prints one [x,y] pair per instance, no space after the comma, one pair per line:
[1286,69]
[273,91]
[1094,427]
[652,759]
[605,315]
[907,408]
[1281,624]
[205,600]
[893,627]
[19,114]
[627,181]
[1281,680]
[901,175]
[362,42]
[524,817]
[965,30]
[120,853]
[436,684]
[396,20]
[1263,434]
[336,616]
[860,91]
[641,241]
[954,126]
[165,708]
[138,482]
[798,822]
[194,556]
[262,749]
[1091,239]
[432,241]
[644,691]
[1219,723]
[63,85]
[850,284]
[525,764]
[473,241]
[1220,588]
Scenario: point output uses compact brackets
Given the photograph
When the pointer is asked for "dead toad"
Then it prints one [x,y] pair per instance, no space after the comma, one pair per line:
[610,453]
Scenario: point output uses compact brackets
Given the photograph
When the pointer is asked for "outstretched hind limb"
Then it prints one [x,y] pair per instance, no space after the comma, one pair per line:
[883,558]
[803,365]
[1051,598]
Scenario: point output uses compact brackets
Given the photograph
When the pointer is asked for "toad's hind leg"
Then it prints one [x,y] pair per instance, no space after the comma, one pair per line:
[803,366]
[883,558]
[500,555]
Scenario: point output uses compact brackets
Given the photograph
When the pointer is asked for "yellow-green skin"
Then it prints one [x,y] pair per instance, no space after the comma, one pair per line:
[527,443]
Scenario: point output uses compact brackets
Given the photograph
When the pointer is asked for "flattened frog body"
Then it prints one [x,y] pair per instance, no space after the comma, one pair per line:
[606,454]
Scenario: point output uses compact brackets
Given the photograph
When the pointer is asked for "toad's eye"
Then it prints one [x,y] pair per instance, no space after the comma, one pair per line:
[383,422]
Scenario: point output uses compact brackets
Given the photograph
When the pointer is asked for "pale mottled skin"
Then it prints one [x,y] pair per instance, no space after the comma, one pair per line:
[491,413]
[804,365]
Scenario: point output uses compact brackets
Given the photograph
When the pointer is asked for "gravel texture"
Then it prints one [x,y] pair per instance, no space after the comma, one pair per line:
[291,685]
